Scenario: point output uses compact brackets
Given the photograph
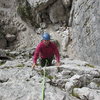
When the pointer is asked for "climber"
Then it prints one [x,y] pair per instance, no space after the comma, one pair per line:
[46,50]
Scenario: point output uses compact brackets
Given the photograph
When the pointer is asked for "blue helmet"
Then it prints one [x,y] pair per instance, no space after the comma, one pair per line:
[46,36]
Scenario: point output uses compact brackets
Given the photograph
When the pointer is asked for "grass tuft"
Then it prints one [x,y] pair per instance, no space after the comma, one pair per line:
[89,65]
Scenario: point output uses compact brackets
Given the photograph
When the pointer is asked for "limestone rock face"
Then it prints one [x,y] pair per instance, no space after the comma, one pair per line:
[20,20]
[73,26]
[85,22]
[57,12]
[10,37]
[73,80]
[23,22]
[40,4]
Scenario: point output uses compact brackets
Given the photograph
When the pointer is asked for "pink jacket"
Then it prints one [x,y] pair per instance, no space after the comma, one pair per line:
[46,51]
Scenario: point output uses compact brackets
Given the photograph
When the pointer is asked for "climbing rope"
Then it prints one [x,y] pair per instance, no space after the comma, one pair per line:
[44,82]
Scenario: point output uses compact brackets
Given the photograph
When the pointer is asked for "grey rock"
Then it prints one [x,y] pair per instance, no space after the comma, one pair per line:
[85,31]
[10,37]
[57,13]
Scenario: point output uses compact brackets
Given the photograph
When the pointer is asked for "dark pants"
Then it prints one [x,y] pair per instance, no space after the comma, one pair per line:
[46,61]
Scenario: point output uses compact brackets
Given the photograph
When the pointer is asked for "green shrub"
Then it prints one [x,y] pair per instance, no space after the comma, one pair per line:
[2,62]
[89,65]
[20,65]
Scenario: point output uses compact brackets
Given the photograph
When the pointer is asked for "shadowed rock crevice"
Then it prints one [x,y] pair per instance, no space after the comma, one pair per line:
[4,80]
[5,58]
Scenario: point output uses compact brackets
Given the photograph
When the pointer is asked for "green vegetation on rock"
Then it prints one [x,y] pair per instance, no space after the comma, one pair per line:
[24,10]
[20,65]
[46,74]
[75,94]
[2,62]
[89,65]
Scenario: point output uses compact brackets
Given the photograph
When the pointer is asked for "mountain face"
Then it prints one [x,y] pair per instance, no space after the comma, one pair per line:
[73,26]
[73,80]
[85,23]
[73,23]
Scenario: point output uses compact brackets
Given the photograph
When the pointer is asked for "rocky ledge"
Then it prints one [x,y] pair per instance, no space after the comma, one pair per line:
[74,80]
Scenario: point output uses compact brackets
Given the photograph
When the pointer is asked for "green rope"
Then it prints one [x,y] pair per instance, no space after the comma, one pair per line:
[43,82]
